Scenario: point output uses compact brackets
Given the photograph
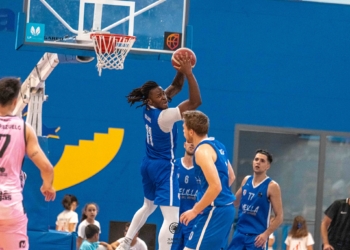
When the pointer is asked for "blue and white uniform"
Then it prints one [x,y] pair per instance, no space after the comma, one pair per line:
[213,225]
[159,176]
[253,215]
[188,198]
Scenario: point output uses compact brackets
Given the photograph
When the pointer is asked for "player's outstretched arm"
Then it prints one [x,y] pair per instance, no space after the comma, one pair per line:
[176,86]
[194,100]
[38,157]
[205,155]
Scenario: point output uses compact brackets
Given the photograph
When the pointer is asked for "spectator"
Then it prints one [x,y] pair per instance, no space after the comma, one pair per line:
[136,243]
[88,217]
[335,227]
[299,238]
[68,219]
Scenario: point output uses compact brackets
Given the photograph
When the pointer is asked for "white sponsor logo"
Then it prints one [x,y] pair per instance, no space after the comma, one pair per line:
[35,32]
[249,209]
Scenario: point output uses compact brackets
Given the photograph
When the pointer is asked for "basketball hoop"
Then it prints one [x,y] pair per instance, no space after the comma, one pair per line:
[111,50]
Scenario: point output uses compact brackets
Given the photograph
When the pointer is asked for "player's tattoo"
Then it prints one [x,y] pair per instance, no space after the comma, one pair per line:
[34,154]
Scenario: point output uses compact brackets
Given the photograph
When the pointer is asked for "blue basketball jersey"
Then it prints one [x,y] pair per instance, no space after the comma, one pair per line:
[159,144]
[225,197]
[255,208]
[188,186]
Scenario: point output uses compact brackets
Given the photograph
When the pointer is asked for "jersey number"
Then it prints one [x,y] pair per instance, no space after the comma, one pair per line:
[250,196]
[149,135]
[4,142]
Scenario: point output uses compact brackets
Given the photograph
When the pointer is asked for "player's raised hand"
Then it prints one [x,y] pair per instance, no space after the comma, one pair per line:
[185,63]
[49,193]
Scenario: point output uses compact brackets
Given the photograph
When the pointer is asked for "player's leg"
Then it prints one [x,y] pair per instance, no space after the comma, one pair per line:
[169,227]
[145,211]
[212,228]
[186,233]
[137,222]
[250,243]
[238,241]
[13,233]
[230,212]
[167,197]
[179,238]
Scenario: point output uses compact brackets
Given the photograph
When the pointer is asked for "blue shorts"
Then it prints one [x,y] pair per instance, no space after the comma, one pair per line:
[181,236]
[160,182]
[241,241]
[212,228]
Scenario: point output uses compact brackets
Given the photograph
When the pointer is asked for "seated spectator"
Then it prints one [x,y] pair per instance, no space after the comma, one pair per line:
[92,233]
[136,243]
[91,242]
[68,219]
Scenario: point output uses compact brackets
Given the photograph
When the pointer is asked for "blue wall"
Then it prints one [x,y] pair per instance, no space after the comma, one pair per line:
[260,62]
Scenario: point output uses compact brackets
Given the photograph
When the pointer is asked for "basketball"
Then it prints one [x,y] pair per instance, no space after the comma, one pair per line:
[182,51]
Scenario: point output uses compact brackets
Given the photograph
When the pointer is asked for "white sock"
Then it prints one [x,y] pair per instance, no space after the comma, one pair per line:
[139,220]
[170,223]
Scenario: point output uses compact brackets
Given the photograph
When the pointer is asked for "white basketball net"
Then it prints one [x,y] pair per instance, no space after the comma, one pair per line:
[111,50]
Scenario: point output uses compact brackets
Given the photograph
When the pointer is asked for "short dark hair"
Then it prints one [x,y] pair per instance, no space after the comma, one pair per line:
[197,121]
[67,201]
[91,230]
[9,89]
[265,152]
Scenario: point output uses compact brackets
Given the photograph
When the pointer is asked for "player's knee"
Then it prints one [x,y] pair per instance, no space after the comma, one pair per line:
[170,214]
[149,206]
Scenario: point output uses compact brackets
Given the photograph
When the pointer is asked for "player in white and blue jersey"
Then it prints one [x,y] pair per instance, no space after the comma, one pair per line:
[214,212]
[257,197]
[159,176]
[188,189]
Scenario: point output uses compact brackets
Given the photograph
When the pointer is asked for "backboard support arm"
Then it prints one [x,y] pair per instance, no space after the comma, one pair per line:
[32,92]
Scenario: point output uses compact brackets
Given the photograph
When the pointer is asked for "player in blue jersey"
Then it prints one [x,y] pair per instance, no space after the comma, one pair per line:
[214,211]
[159,176]
[256,197]
[188,194]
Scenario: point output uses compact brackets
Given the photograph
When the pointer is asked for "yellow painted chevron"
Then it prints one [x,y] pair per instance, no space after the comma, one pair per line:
[81,162]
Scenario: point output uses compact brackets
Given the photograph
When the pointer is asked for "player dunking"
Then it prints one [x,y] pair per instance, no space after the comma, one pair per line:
[17,139]
[214,211]
[256,196]
[188,194]
[159,177]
